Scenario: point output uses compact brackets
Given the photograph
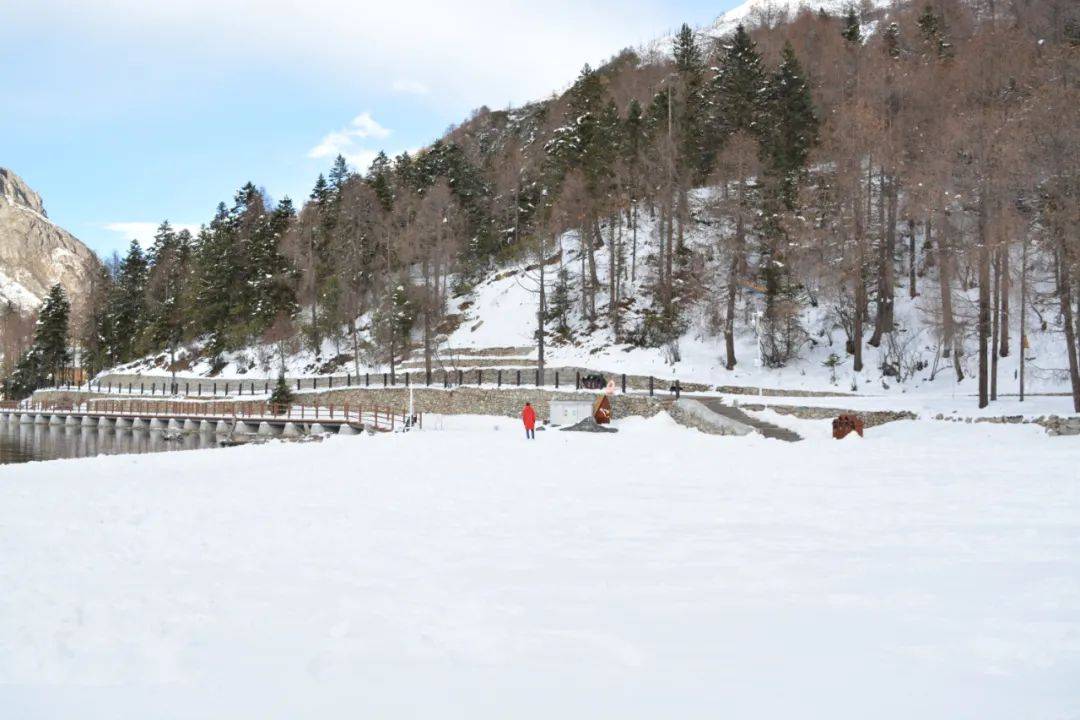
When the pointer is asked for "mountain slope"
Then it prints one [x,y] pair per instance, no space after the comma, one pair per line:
[35,253]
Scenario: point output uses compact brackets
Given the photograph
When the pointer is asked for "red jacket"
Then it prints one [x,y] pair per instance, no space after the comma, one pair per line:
[528,416]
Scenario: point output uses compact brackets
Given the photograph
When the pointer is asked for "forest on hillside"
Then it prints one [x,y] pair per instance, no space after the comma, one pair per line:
[921,148]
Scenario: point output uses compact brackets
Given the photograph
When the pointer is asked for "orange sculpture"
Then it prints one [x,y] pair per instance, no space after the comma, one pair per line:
[847,424]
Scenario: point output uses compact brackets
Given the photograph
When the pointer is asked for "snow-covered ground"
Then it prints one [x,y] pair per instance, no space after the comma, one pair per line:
[931,570]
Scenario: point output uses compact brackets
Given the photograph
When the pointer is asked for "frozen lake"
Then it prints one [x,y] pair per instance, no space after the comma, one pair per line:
[21,443]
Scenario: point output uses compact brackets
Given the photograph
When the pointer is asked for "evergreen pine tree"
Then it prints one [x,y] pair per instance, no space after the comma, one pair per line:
[934,34]
[339,174]
[851,31]
[216,261]
[738,86]
[128,303]
[51,333]
[791,132]
[793,127]
[97,335]
[43,363]
[892,40]
[559,305]
[381,180]
[283,395]
[686,51]
[273,275]
[696,148]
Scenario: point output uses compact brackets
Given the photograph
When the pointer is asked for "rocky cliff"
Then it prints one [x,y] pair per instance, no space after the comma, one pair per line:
[35,254]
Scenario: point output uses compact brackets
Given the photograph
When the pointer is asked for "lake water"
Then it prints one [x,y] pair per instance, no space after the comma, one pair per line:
[26,443]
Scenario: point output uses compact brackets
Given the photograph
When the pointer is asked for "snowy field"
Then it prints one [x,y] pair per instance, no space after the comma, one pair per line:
[931,570]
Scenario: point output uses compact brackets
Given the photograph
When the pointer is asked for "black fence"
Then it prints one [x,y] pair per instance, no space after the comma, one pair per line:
[442,378]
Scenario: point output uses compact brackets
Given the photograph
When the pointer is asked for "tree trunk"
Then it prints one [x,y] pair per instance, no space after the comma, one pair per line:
[733,280]
[1006,288]
[912,261]
[1023,314]
[425,269]
[995,328]
[669,285]
[1065,298]
[949,344]
[613,269]
[984,303]
[683,215]
[594,280]
[541,311]
[584,280]
[859,287]
[633,251]
[886,281]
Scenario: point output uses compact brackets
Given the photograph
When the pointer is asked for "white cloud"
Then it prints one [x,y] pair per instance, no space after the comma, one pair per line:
[410,87]
[469,54]
[349,141]
[144,232]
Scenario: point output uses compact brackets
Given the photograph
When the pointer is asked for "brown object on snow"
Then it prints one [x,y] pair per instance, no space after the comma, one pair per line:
[847,424]
[601,410]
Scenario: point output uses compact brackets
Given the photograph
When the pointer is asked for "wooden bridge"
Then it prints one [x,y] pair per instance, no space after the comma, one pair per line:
[222,418]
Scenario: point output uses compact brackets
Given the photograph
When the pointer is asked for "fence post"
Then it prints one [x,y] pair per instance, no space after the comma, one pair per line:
[406,378]
[446,378]
[479,377]
[499,374]
[678,389]
[367,380]
[624,383]
[266,387]
[577,380]
[538,377]
[384,379]
[519,378]
[348,379]
[556,379]
[142,388]
[460,377]
[650,386]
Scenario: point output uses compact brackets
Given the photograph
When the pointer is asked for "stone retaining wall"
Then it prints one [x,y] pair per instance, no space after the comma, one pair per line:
[871,418]
[779,392]
[479,401]
[1054,424]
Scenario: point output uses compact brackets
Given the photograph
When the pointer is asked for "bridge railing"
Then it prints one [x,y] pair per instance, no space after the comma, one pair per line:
[373,416]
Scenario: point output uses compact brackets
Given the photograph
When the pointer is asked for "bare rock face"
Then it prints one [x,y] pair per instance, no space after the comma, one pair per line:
[35,254]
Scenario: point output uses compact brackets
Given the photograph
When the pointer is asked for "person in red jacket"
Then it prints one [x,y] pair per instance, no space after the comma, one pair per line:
[528,416]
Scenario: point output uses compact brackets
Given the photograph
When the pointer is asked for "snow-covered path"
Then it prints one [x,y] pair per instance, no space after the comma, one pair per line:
[931,571]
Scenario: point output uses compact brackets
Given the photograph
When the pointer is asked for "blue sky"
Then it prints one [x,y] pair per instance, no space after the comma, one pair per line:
[124,112]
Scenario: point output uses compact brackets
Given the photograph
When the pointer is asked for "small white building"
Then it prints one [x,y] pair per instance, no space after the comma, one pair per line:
[569,412]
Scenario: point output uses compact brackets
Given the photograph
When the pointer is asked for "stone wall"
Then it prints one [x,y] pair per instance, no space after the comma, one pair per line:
[479,401]
[871,418]
[779,392]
